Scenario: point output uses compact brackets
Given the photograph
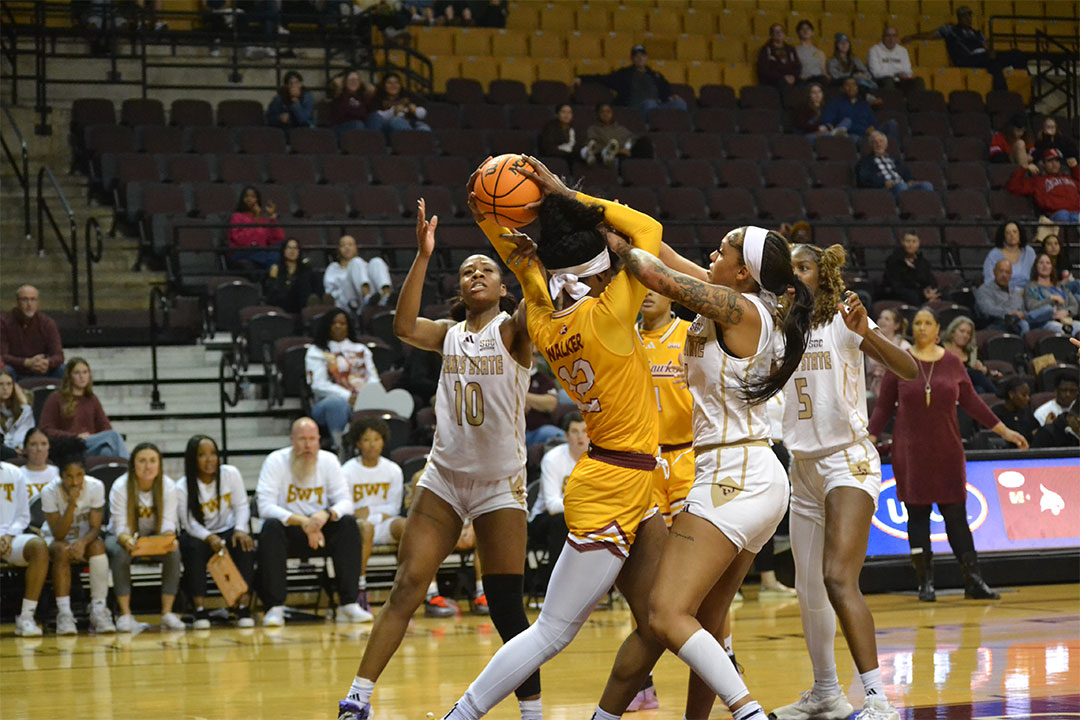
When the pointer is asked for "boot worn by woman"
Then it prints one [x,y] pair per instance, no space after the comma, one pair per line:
[975,588]
[923,562]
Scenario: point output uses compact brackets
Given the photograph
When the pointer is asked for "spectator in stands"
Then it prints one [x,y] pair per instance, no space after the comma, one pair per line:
[293,106]
[251,211]
[890,65]
[142,504]
[879,169]
[1056,194]
[29,341]
[21,547]
[967,47]
[777,62]
[557,137]
[377,488]
[348,109]
[540,401]
[74,508]
[959,339]
[1015,410]
[488,13]
[893,325]
[393,108]
[16,416]
[853,114]
[1011,243]
[354,282]
[1059,256]
[547,524]
[1012,143]
[1050,138]
[75,410]
[291,284]
[808,116]
[1065,390]
[1064,431]
[811,58]
[607,139]
[908,275]
[337,367]
[1003,304]
[843,64]
[637,85]
[306,510]
[1045,290]
[37,471]
[214,513]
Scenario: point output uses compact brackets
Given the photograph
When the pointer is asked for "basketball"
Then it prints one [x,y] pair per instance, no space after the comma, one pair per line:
[502,192]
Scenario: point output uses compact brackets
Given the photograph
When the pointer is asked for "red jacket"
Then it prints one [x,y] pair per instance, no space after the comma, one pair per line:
[1052,192]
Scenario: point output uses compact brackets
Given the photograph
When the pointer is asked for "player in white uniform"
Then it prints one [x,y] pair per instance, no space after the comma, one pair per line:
[836,477]
[37,472]
[19,547]
[740,490]
[477,464]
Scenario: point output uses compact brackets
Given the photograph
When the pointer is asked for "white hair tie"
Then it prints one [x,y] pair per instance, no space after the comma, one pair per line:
[568,278]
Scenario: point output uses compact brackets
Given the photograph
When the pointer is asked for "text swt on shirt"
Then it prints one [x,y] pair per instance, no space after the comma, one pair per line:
[381,489]
[280,494]
[230,511]
[14,504]
[147,517]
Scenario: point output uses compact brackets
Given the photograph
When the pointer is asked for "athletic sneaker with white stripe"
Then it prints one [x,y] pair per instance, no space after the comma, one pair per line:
[876,707]
[808,707]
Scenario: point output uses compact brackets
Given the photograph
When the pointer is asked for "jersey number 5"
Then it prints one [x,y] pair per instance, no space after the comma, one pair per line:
[582,367]
[806,406]
[469,401]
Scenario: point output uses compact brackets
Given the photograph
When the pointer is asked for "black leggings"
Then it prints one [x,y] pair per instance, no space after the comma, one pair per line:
[956,527]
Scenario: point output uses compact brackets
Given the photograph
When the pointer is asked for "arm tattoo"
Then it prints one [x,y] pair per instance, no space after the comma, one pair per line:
[713,301]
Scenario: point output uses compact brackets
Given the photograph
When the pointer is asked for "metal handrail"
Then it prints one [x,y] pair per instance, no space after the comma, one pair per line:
[157,299]
[92,256]
[228,360]
[70,247]
[11,50]
[23,174]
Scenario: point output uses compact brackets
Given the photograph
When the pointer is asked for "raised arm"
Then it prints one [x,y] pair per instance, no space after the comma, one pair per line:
[675,261]
[408,325]
[874,344]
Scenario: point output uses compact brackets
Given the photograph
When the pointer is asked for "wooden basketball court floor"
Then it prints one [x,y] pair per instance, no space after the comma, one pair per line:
[1015,658]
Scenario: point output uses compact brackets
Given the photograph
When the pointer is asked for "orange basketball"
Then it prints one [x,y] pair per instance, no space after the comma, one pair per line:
[502,192]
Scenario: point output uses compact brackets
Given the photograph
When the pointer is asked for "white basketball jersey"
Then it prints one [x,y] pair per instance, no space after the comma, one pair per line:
[825,403]
[721,413]
[480,404]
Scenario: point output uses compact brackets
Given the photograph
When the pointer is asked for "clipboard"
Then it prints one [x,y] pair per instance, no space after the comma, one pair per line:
[153,545]
[226,576]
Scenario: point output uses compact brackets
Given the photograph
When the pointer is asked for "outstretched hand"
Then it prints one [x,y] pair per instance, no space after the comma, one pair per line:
[425,230]
[549,182]
[525,250]
[854,313]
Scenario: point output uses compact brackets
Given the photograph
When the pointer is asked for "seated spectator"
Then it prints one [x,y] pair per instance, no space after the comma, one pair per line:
[29,341]
[37,472]
[1045,290]
[348,109]
[1050,138]
[843,64]
[1065,390]
[393,108]
[306,511]
[893,325]
[1003,304]
[811,58]
[547,524]
[540,401]
[808,116]
[377,488]
[1059,256]
[1056,194]
[1011,143]
[214,513]
[879,169]
[249,211]
[74,508]
[75,410]
[609,140]
[142,503]
[959,339]
[293,106]
[853,114]
[1064,431]
[908,275]
[23,548]
[16,416]
[890,64]
[777,62]
[291,284]
[967,47]
[557,137]
[637,85]
[354,282]
[1011,243]
[1015,411]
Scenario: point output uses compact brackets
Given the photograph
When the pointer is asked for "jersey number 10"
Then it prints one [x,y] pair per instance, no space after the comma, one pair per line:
[469,401]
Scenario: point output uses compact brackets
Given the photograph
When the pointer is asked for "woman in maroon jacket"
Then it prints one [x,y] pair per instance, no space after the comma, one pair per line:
[777,63]
[927,453]
[75,410]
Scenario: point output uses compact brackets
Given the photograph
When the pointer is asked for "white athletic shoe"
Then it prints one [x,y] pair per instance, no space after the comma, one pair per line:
[101,620]
[172,621]
[65,624]
[125,623]
[274,617]
[876,707]
[353,613]
[26,627]
[808,707]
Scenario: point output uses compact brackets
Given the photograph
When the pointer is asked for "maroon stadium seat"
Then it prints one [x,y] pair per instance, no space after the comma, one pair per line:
[732,204]
[461,91]
[315,201]
[831,174]
[394,170]
[683,204]
[780,204]
[692,172]
[754,148]
[246,169]
[549,92]
[507,92]
[160,139]
[968,175]
[791,147]
[921,205]
[827,203]
[240,113]
[191,113]
[188,168]
[210,139]
[758,121]
[869,204]
[464,143]
[739,173]
[701,145]
[363,142]
[313,141]
[375,202]
[715,120]
[641,172]
[142,111]
[347,169]
[786,174]
[717,96]
[413,142]
[836,149]
[760,96]
[291,169]
[260,140]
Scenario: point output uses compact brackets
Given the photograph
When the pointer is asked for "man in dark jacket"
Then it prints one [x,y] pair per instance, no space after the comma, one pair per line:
[637,85]
[966,46]
[908,275]
[881,170]
[29,340]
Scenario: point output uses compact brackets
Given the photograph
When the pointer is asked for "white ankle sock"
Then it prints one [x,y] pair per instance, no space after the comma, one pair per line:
[362,585]
[531,709]
[99,577]
[63,604]
[432,590]
[749,711]
[360,691]
[599,714]
[871,682]
[706,657]
[29,607]
[479,588]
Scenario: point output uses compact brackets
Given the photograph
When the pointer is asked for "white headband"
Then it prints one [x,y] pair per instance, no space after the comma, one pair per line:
[567,278]
[752,247]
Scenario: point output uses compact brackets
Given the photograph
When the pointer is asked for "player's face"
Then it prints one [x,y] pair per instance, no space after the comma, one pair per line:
[37,448]
[207,459]
[72,476]
[370,445]
[805,267]
[655,305]
[726,263]
[480,281]
[147,466]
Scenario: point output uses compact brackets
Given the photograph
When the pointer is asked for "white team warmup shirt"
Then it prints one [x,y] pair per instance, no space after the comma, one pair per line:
[381,489]
[555,470]
[147,520]
[883,62]
[230,511]
[280,494]
[54,499]
[480,404]
[36,480]
[1048,412]
[14,502]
